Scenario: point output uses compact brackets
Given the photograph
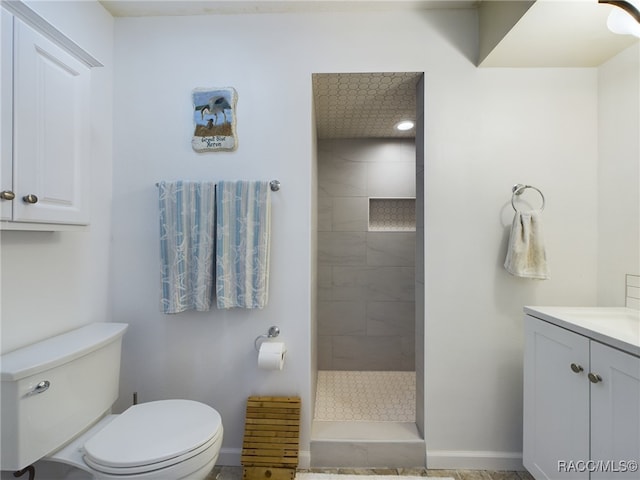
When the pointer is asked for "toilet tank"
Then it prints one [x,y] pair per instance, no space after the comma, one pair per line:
[55,389]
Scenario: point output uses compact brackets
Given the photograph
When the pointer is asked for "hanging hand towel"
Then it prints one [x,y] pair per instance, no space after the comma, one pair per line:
[526,256]
[186,245]
[243,239]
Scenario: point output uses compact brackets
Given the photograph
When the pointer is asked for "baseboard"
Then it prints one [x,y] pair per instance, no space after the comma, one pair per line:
[231,457]
[436,459]
[304,459]
[473,460]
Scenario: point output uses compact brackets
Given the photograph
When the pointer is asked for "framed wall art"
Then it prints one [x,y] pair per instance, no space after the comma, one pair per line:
[214,118]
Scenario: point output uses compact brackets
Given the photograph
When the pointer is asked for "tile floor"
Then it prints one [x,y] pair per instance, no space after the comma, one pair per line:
[235,473]
[351,396]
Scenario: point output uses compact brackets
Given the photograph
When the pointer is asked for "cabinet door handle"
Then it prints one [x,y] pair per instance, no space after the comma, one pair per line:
[31,198]
[7,195]
[577,368]
[594,377]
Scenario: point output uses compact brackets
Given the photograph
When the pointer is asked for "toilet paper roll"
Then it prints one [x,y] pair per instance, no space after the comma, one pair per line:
[271,355]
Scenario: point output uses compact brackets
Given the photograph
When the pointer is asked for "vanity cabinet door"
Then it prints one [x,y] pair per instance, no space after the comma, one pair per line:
[556,401]
[615,413]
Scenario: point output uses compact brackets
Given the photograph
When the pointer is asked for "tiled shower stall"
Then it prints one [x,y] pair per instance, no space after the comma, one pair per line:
[368,395]
[366,287]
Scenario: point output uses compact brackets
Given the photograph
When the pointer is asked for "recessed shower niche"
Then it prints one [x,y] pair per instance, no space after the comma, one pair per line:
[392,214]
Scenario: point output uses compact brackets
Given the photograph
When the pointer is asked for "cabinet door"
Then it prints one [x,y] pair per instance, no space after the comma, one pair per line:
[615,413]
[51,130]
[556,401]
[6,110]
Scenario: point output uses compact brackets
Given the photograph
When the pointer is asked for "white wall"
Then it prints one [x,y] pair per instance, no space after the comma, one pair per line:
[53,282]
[485,130]
[618,174]
[211,356]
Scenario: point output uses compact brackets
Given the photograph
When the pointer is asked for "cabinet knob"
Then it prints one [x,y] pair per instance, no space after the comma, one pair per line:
[576,368]
[594,378]
[31,198]
[7,195]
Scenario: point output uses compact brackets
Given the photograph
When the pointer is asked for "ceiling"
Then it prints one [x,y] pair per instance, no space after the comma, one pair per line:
[146,8]
[548,33]
[364,105]
[513,33]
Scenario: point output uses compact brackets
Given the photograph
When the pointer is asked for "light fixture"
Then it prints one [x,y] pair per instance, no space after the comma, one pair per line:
[404,125]
[625,19]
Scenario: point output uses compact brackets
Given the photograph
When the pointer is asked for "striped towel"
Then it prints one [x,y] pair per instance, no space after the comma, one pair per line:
[186,245]
[243,233]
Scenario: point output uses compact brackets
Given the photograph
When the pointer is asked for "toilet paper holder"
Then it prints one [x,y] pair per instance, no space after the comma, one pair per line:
[271,333]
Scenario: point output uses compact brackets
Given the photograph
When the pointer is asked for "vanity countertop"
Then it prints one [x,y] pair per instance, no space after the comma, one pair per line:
[618,327]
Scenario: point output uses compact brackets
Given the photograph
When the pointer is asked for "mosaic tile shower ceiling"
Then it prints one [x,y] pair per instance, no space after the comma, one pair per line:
[349,396]
[364,105]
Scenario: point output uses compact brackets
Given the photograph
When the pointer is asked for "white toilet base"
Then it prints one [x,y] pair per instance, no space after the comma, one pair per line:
[199,467]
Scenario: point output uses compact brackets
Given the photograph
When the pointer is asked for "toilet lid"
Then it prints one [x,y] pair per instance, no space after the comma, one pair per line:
[153,432]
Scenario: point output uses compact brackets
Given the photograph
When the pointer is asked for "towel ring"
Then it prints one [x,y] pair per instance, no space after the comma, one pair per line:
[518,188]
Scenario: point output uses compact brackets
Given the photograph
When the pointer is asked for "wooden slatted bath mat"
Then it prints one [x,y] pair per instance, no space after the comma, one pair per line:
[271,438]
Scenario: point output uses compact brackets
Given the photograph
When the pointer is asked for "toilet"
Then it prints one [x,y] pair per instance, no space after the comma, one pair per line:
[56,399]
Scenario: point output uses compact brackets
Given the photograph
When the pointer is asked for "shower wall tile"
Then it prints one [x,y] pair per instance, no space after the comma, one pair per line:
[371,353]
[363,275]
[366,150]
[325,214]
[324,282]
[391,284]
[408,350]
[390,318]
[396,179]
[342,318]
[350,214]
[341,248]
[386,284]
[340,178]
[391,249]
[345,284]
[325,352]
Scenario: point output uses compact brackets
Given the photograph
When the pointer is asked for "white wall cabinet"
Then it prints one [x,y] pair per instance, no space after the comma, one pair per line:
[581,406]
[45,130]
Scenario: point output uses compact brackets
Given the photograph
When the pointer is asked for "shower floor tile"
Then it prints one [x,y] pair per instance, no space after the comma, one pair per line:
[350,396]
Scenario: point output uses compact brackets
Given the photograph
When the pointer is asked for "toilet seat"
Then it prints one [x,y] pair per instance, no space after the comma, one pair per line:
[153,436]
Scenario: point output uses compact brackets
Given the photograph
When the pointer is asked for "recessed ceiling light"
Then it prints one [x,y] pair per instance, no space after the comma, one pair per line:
[405,125]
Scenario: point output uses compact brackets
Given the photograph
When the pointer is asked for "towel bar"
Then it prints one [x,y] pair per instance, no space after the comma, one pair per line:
[518,188]
[274,184]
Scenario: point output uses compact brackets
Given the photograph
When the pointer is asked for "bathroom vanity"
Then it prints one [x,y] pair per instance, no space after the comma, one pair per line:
[582,393]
